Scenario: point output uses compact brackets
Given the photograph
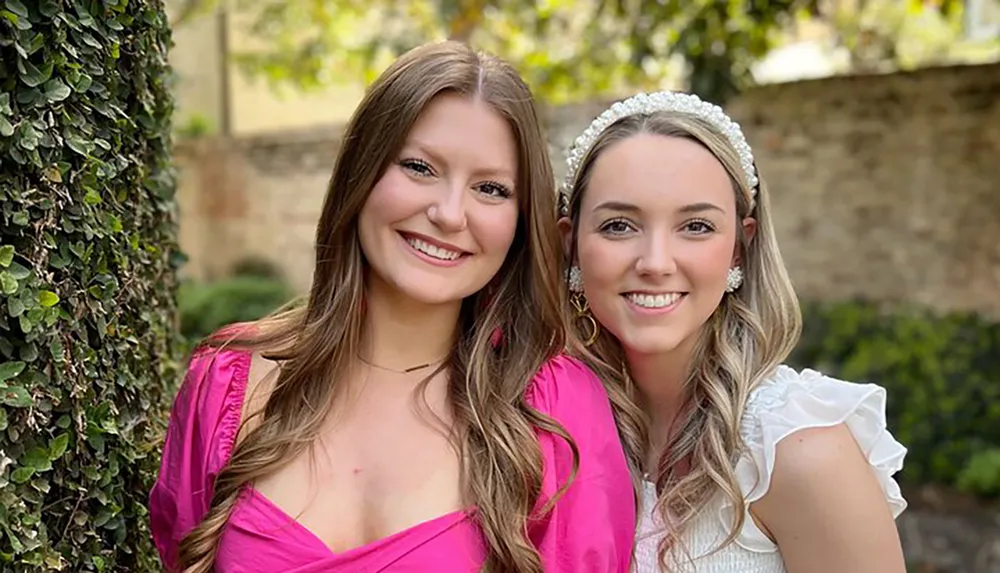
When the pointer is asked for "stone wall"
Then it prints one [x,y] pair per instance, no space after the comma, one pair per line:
[884,187]
[253,198]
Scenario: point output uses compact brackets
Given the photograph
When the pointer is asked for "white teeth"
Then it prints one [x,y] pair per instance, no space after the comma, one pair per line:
[433,250]
[653,300]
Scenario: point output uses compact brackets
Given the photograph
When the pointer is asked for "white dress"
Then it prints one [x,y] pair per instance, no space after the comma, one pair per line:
[784,403]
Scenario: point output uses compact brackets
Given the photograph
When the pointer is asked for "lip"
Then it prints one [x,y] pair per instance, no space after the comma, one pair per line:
[645,311]
[433,241]
[463,254]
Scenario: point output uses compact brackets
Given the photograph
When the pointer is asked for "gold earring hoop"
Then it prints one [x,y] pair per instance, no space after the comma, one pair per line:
[590,328]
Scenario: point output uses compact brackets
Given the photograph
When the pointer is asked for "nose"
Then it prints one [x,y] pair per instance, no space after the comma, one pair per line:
[656,256]
[448,211]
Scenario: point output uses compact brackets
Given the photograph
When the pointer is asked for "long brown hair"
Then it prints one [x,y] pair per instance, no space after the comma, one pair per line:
[317,343]
[751,332]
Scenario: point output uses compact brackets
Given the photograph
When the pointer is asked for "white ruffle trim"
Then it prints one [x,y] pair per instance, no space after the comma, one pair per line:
[790,401]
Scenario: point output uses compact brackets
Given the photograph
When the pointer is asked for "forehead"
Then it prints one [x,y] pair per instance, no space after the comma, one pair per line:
[464,125]
[656,171]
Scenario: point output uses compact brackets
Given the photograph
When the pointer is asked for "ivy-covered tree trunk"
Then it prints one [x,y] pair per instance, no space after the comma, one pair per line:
[87,279]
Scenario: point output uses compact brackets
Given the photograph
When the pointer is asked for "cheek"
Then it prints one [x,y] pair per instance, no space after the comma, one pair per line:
[495,227]
[708,261]
[389,200]
[603,264]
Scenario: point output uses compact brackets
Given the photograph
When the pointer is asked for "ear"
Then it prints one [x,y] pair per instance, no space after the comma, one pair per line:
[749,231]
[566,230]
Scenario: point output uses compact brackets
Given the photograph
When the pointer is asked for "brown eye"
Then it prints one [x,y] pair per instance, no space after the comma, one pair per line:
[418,167]
[616,227]
[494,189]
[699,227]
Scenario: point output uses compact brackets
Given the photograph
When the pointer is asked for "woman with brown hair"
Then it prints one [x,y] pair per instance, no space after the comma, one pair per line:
[416,414]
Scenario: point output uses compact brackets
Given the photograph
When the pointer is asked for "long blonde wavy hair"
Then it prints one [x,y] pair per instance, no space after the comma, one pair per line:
[751,332]
[315,344]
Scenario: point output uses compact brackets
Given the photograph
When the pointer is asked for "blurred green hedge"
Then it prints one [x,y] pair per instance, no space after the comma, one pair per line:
[253,291]
[942,373]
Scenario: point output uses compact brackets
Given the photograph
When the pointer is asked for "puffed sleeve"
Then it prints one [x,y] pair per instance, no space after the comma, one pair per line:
[204,420]
[792,401]
[591,529]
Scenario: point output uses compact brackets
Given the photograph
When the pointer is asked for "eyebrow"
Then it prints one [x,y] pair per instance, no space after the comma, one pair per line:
[618,206]
[490,171]
[630,208]
[700,208]
[425,149]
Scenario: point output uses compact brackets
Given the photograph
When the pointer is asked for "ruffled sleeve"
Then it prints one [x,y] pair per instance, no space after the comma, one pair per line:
[204,420]
[592,526]
[790,401]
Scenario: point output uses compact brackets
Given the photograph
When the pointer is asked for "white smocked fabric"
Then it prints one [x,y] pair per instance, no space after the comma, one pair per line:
[786,402]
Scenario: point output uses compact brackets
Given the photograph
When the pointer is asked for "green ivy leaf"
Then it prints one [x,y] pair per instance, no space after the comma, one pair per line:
[33,77]
[9,370]
[58,445]
[48,8]
[29,352]
[47,298]
[6,255]
[56,90]
[15,307]
[38,459]
[29,137]
[11,17]
[15,397]
[21,475]
[83,83]
[17,8]
[26,324]
[33,45]
[79,145]
[18,271]
[8,285]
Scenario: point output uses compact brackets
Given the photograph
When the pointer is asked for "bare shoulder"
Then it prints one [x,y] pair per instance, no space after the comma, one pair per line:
[260,383]
[826,508]
[820,463]
[815,459]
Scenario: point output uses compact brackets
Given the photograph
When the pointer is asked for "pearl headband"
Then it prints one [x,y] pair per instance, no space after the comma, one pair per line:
[644,104]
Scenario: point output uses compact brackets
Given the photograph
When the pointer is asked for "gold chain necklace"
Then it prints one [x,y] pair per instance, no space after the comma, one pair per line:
[409,370]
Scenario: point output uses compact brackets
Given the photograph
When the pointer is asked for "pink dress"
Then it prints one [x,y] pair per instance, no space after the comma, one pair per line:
[590,530]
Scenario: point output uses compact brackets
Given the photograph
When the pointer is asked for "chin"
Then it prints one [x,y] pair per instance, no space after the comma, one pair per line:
[431,296]
[649,341]
[649,347]
[432,292]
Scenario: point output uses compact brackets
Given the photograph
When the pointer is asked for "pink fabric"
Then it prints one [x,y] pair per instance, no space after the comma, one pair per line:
[590,530]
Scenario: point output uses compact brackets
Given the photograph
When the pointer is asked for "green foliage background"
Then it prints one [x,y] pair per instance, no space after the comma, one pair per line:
[942,374]
[573,50]
[88,259]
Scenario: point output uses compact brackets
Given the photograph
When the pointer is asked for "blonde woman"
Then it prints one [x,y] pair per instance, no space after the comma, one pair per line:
[416,414]
[680,290]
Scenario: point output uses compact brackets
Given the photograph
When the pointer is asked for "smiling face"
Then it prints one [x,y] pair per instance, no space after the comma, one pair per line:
[439,223]
[657,235]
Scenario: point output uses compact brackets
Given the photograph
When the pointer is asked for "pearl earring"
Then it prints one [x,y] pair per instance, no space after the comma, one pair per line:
[575,279]
[734,279]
